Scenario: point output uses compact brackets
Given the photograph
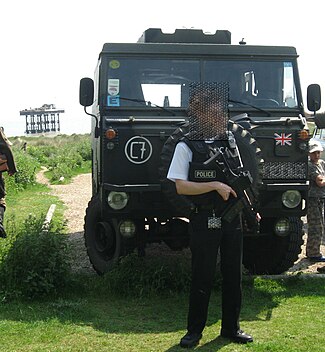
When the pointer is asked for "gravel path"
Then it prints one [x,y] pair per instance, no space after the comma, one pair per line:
[76,196]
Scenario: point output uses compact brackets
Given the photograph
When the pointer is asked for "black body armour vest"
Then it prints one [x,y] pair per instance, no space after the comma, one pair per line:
[199,172]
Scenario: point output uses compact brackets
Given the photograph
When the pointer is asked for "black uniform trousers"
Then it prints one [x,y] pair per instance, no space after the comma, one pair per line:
[204,245]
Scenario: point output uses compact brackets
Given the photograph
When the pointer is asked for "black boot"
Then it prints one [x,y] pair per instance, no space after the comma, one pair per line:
[2,229]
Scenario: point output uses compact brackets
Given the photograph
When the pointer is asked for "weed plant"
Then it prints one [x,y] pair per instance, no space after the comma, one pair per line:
[161,275]
[144,276]
[33,260]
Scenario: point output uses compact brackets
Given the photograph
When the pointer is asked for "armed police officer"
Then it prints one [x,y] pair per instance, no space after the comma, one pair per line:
[10,167]
[201,168]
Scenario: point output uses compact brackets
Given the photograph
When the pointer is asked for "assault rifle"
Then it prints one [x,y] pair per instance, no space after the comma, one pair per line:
[240,181]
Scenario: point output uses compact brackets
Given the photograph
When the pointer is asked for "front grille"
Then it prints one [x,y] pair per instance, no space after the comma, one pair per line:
[284,170]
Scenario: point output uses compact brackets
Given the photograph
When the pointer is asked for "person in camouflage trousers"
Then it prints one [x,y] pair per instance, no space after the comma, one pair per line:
[316,196]
[11,169]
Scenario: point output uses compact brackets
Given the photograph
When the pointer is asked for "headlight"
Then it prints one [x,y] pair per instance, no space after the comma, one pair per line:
[117,200]
[291,199]
[127,228]
[282,227]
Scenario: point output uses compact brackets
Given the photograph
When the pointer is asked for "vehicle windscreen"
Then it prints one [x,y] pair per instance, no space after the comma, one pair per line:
[165,82]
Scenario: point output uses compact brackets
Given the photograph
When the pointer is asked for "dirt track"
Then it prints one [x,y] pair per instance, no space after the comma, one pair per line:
[76,196]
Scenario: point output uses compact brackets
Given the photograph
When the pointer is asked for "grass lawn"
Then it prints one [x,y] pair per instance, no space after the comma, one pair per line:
[282,315]
[35,200]
[285,315]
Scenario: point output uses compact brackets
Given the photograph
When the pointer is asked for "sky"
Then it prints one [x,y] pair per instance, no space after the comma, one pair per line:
[47,46]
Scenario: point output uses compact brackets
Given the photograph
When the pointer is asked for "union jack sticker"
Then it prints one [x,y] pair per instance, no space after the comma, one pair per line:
[282,139]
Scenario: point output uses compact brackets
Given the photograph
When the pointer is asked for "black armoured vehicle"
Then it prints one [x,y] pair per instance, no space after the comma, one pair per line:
[139,99]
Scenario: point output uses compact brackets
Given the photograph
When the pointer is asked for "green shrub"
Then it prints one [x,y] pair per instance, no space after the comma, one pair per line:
[26,175]
[83,147]
[41,152]
[62,155]
[142,276]
[60,170]
[33,262]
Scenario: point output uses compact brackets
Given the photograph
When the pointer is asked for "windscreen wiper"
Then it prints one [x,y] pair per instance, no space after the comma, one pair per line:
[252,106]
[149,103]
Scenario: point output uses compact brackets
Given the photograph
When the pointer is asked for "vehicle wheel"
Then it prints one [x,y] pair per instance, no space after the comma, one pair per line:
[271,254]
[178,234]
[103,242]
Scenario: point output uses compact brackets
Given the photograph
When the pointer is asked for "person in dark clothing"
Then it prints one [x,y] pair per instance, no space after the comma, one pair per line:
[208,189]
[9,167]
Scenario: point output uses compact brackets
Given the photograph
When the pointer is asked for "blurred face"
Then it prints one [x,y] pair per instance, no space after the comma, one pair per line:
[208,111]
[314,157]
[205,104]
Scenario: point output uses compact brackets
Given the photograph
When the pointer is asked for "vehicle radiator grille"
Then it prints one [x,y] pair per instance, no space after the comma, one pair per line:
[284,170]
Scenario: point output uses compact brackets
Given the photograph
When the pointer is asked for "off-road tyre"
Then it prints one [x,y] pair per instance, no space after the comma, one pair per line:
[271,254]
[102,241]
[181,205]
[179,231]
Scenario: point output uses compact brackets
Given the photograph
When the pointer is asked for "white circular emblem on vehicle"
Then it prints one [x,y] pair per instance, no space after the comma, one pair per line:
[138,150]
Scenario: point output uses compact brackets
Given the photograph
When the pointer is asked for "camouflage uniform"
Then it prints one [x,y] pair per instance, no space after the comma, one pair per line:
[2,192]
[5,149]
[2,205]
[315,213]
